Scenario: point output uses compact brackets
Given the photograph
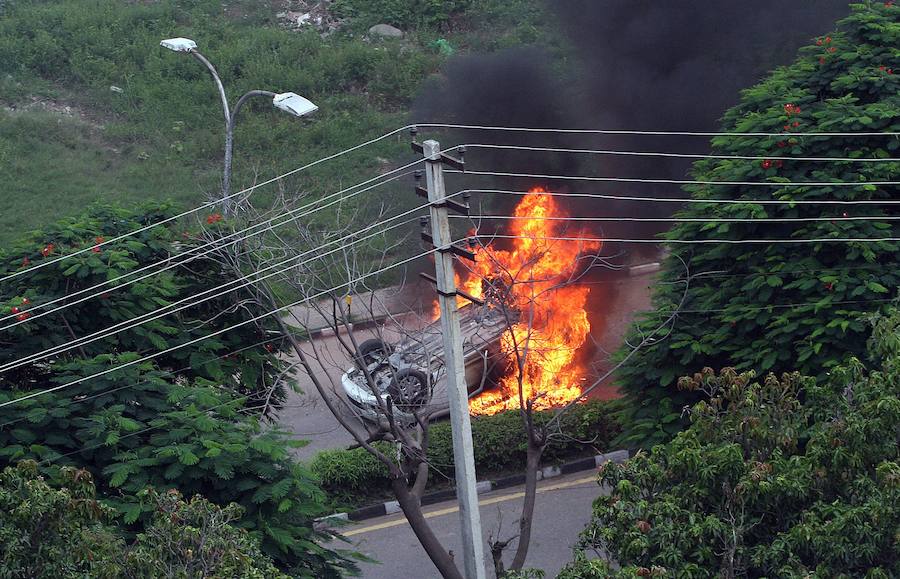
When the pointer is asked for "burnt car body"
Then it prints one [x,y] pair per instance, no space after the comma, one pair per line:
[404,375]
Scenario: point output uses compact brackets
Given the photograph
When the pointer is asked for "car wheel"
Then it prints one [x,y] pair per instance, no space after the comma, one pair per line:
[372,351]
[409,389]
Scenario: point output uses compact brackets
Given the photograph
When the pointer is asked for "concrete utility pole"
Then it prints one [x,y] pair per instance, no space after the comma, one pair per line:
[464,460]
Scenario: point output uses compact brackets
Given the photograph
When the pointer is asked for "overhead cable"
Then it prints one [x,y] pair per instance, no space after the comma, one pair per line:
[210,294]
[680,182]
[655,133]
[211,246]
[95,395]
[787,202]
[217,332]
[692,241]
[616,153]
[43,264]
[677,219]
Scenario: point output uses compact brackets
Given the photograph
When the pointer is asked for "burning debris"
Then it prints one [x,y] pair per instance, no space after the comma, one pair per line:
[537,279]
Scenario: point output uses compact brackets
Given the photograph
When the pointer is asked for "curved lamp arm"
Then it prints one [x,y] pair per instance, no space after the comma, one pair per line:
[215,75]
[246,97]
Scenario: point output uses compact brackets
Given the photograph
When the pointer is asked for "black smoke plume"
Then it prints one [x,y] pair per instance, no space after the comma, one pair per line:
[638,64]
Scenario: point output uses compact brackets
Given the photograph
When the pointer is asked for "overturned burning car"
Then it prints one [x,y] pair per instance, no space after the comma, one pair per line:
[530,281]
[407,375]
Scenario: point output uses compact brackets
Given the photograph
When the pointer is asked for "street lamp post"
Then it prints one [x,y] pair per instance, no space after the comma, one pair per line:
[289,102]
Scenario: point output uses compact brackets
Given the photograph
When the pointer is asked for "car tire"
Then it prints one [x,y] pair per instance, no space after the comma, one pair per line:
[372,351]
[409,389]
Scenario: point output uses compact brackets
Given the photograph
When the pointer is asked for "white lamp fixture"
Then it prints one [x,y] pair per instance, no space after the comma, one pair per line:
[294,104]
[179,44]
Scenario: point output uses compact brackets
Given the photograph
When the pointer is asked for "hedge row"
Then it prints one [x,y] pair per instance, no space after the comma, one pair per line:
[353,476]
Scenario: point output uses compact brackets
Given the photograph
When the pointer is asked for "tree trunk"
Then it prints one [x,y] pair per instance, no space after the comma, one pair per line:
[532,462]
[413,511]
[409,502]
[497,557]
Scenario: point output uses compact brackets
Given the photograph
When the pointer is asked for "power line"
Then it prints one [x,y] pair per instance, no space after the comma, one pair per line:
[212,246]
[247,281]
[617,153]
[651,133]
[771,306]
[680,181]
[694,241]
[217,332]
[191,301]
[200,247]
[874,267]
[161,373]
[244,398]
[240,400]
[207,205]
[445,126]
[689,199]
[679,219]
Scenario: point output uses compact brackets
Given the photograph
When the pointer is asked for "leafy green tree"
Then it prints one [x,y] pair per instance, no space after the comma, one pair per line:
[48,532]
[207,446]
[189,419]
[47,287]
[765,482]
[59,529]
[195,538]
[773,307]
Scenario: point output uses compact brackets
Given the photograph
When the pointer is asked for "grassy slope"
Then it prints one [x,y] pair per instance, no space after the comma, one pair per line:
[162,137]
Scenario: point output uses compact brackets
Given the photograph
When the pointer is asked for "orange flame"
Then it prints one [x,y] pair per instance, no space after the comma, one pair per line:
[553,323]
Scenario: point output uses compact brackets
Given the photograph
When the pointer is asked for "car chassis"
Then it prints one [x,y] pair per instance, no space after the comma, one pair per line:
[402,377]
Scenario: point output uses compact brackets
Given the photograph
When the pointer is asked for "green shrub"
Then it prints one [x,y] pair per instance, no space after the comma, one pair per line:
[57,528]
[346,474]
[54,531]
[783,484]
[499,442]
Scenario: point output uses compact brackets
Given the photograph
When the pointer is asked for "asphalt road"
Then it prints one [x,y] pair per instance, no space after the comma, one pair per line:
[562,511]
[305,415]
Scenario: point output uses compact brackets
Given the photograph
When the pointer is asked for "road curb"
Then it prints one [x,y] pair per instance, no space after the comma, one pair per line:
[390,507]
[327,331]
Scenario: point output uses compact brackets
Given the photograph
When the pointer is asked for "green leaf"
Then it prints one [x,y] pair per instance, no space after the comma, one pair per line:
[132,512]
[120,476]
[668,418]
[24,436]
[188,458]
